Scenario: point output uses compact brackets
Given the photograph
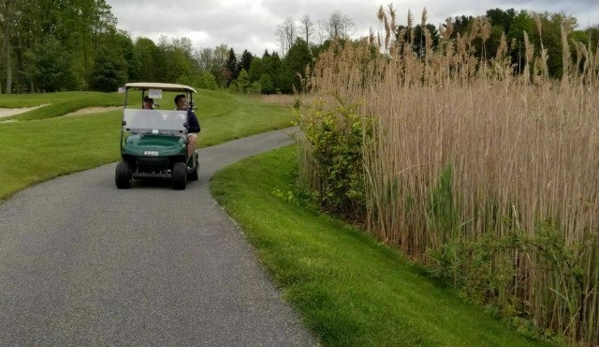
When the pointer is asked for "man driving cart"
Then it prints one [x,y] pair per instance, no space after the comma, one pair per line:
[193,125]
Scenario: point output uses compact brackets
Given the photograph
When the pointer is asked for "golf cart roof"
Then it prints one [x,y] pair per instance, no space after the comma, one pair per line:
[164,86]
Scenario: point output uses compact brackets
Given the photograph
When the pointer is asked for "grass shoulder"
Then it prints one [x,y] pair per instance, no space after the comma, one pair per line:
[349,289]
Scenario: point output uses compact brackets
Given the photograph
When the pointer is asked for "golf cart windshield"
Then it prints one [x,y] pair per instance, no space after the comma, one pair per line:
[154,121]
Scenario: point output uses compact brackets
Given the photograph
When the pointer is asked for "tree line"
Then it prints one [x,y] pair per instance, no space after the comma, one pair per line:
[543,30]
[57,45]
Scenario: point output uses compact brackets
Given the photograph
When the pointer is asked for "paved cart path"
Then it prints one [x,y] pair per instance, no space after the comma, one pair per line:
[85,264]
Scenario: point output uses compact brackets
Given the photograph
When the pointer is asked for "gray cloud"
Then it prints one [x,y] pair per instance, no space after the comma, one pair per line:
[251,25]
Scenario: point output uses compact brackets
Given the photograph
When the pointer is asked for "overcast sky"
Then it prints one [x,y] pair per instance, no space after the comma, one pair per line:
[251,24]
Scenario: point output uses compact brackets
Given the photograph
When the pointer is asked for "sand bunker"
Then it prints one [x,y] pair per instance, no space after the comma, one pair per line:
[7,112]
[89,110]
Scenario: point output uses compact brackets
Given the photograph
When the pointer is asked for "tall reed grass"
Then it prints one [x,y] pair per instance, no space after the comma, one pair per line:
[488,175]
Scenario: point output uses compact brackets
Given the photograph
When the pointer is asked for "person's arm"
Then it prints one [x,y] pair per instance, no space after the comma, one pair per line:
[193,125]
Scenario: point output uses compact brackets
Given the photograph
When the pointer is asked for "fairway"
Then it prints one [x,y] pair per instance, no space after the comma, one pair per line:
[41,144]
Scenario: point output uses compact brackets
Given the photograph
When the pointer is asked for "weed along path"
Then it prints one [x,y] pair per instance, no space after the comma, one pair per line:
[85,264]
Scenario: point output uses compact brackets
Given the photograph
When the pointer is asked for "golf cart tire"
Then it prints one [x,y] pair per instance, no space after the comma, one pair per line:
[193,176]
[123,177]
[179,176]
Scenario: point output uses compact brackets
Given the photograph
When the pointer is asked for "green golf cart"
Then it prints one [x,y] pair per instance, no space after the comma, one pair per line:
[154,141]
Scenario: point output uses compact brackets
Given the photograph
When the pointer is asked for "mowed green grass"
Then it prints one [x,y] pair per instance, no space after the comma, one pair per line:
[50,145]
[349,289]
[30,100]
[35,151]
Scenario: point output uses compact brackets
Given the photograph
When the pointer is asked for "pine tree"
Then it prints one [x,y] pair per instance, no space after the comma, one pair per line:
[231,67]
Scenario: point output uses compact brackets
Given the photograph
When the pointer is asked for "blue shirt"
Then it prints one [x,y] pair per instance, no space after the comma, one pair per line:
[193,125]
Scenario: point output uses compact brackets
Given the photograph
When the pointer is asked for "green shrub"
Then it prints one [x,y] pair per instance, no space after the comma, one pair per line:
[267,84]
[234,87]
[334,138]
[256,88]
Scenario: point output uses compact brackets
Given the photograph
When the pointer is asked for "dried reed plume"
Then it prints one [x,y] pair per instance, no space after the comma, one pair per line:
[489,173]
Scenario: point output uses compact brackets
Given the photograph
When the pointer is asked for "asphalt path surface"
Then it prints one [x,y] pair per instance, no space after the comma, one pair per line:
[85,264]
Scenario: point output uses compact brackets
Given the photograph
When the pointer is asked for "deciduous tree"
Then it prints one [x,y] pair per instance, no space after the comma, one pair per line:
[148,53]
[306,28]
[286,34]
[53,70]
[295,64]
[340,26]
